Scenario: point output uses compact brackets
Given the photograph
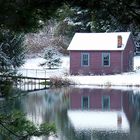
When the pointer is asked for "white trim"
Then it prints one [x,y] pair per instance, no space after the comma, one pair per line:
[103,97]
[88,57]
[103,53]
[82,102]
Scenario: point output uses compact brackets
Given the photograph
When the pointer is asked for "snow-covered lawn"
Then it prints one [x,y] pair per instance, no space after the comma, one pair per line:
[125,79]
[32,69]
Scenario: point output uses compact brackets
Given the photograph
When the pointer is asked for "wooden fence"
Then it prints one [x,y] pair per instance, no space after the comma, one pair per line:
[38,73]
[27,83]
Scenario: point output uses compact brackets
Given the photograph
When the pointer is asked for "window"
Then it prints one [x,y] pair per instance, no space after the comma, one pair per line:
[105,102]
[85,59]
[85,102]
[106,59]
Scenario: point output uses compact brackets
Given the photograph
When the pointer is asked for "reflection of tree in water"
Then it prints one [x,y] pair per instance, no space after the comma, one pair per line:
[38,104]
[42,106]
[65,130]
[135,121]
[10,104]
[13,123]
[136,103]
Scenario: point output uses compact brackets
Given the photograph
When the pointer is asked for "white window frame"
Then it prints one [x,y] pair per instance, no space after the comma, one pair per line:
[82,59]
[107,97]
[82,102]
[103,54]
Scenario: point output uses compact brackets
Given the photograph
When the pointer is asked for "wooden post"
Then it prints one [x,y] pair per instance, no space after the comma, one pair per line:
[31,84]
[28,84]
[35,84]
[20,80]
[45,83]
[24,84]
[39,83]
[36,72]
[26,72]
[45,73]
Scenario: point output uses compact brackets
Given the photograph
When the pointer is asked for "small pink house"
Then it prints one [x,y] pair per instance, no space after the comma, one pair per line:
[101,53]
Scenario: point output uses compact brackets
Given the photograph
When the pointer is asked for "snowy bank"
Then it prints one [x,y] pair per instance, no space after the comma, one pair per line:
[124,79]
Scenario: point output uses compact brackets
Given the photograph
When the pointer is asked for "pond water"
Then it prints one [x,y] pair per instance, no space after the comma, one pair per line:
[84,113]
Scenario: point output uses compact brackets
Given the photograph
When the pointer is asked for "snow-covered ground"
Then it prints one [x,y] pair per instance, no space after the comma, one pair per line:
[32,69]
[125,79]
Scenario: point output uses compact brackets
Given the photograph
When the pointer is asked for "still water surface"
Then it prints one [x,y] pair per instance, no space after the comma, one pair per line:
[84,113]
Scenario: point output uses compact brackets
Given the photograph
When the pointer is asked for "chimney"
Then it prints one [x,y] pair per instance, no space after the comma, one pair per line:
[119,45]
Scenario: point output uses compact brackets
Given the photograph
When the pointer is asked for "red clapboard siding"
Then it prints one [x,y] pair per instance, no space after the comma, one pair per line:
[95,66]
[128,55]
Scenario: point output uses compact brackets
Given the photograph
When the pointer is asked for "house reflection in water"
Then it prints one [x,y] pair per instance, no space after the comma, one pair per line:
[100,110]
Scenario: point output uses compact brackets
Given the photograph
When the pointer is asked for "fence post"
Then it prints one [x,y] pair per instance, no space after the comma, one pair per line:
[26,72]
[45,83]
[45,73]
[36,72]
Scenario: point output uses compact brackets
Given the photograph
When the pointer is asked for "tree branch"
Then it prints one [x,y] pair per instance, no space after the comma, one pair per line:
[1,123]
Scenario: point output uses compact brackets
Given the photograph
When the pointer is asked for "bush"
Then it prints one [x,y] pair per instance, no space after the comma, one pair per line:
[59,82]
[5,87]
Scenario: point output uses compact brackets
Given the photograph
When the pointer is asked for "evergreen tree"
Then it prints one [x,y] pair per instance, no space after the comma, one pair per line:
[12,51]
[73,19]
[25,15]
[52,58]
[15,126]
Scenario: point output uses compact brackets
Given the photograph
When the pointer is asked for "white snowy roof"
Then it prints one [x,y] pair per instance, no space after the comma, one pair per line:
[98,120]
[98,41]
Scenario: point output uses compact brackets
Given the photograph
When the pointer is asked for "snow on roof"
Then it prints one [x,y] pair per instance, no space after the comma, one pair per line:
[98,41]
[98,120]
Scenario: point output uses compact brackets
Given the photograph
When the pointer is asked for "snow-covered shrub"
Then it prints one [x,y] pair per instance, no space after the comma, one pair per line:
[59,82]
[80,72]
[108,84]
[66,72]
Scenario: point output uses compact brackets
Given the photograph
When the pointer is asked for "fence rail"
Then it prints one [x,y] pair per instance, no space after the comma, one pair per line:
[33,73]
[27,83]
